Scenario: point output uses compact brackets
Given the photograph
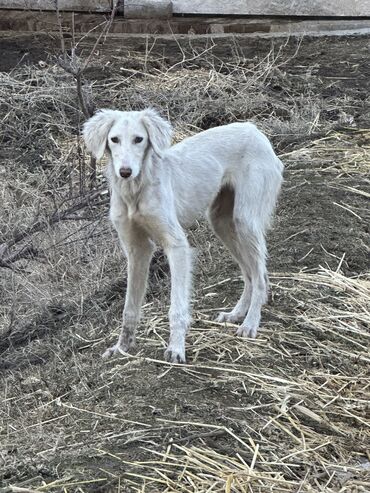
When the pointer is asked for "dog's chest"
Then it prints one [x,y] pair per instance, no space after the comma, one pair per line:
[145,209]
[132,196]
[137,210]
[133,212]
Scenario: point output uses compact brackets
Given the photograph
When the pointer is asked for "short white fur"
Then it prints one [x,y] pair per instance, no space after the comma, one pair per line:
[229,173]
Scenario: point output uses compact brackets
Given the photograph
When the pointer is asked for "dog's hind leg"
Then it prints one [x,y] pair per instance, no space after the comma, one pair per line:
[255,199]
[221,219]
[253,249]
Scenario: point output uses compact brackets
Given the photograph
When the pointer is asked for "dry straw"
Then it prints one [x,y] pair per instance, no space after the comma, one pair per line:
[287,412]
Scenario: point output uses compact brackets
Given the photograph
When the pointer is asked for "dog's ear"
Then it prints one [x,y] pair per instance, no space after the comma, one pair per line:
[95,131]
[159,130]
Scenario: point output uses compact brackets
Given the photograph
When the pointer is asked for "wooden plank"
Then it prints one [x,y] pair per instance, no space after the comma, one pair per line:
[26,21]
[75,5]
[83,22]
[19,20]
[312,8]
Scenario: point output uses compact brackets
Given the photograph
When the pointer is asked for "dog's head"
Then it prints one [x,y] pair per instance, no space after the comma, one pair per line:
[127,136]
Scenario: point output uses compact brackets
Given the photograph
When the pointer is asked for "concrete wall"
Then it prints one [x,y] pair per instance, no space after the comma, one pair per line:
[158,8]
[348,8]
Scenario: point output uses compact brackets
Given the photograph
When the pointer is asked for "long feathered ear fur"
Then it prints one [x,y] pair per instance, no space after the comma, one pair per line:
[95,131]
[159,130]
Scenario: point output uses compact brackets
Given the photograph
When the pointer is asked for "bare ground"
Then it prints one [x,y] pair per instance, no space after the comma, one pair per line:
[287,412]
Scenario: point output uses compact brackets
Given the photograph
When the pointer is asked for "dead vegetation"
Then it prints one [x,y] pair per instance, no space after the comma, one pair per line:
[287,412]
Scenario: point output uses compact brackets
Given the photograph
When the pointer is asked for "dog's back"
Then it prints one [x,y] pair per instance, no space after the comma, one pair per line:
[236,155]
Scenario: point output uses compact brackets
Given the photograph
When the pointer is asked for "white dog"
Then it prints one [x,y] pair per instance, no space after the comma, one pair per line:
[231,173]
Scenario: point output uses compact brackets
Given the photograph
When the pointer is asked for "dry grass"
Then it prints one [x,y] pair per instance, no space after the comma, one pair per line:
[287,412]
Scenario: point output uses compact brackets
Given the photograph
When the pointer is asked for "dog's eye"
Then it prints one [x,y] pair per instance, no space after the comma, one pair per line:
[137,140]
[115,140]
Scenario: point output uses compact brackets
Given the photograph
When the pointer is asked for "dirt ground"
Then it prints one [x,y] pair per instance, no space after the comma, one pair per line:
[287,412]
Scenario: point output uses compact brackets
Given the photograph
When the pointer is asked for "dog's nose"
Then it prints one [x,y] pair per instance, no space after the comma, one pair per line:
[125,172]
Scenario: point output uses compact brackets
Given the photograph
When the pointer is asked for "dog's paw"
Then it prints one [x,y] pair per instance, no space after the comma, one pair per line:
[246,331]
[229,317]
[120,347]
[175,355]
[111,351]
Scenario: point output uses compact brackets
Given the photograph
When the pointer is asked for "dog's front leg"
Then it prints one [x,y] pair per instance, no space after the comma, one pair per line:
[139,250]
[179,257]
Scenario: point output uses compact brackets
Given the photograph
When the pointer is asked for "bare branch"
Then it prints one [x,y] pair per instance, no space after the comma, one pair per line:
[42,224]
[60,27]
[74,66]
[104,33]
